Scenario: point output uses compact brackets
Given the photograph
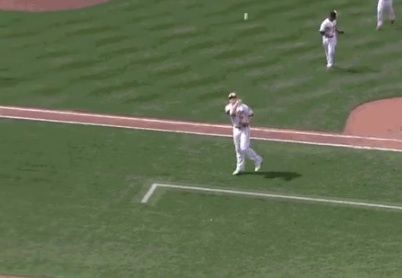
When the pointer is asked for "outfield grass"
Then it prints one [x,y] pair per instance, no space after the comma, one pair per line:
[178,59]
[70,207]
[69,201]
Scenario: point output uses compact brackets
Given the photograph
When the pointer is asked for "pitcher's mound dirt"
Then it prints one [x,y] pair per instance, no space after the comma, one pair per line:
[46,5]
[381,118]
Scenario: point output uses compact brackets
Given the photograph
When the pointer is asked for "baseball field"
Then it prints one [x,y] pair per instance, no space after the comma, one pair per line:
[72,197]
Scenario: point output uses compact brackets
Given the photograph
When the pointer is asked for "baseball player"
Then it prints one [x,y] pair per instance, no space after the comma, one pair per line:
[240,115]
[329,33]
[385,6]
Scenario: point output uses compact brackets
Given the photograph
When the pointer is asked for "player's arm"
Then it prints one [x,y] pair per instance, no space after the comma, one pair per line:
[250,112]
[230,110]
[246,115]
[323,32]
[227,109]
[339,31]
[233,109]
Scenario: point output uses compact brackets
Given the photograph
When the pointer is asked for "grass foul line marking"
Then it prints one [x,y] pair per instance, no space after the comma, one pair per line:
[155,186]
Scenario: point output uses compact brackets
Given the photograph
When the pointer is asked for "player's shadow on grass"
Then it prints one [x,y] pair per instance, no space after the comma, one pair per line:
[287,176]
[355,69]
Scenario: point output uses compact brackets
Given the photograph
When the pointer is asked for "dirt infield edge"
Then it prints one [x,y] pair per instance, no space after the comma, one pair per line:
[47,5]
[380,118]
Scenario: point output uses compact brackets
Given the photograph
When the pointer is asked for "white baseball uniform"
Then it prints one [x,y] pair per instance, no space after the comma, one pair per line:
[384,6]
[329,40]
[241,134]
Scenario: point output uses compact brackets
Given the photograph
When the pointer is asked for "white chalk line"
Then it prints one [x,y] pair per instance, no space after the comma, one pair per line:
[106,116]
[117,126]
[313,143]
[155,186]
[272,130]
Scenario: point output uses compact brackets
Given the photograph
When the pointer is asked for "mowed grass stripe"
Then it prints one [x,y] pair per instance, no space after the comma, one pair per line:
[178,71]
[314,56]
[174,71]
[45,206]
[116,40]
[274,58]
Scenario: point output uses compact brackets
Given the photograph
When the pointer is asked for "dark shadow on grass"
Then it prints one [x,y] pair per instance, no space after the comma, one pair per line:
[287,176]
[355,69]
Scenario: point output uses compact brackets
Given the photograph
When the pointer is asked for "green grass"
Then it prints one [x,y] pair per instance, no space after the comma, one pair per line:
[69,202]
[69,206]
[178,59]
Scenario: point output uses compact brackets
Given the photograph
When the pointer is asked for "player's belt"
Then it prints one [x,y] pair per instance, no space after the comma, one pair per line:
[240,126]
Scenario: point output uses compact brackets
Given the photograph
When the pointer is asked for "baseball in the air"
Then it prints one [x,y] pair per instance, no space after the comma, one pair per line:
[245,16]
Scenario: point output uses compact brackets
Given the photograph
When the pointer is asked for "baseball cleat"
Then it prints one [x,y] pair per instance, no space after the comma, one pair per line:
[258,166]
[237,172]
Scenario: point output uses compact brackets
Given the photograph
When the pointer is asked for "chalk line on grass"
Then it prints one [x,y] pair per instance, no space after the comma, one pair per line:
[325,200]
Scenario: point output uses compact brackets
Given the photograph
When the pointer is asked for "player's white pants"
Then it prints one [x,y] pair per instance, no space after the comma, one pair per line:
[241,139]
[329,47]
[384,7]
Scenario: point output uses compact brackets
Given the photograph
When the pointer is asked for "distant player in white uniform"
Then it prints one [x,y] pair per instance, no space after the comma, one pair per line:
[385,7]
[329,33]
[240,115]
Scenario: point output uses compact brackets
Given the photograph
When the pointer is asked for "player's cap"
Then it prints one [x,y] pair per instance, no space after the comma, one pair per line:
[232,95]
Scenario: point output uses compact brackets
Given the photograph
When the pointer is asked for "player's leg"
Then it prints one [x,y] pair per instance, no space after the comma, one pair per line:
[380,14]
[250,153]
[331,53]
[325,44]
[240,155]
[391,13]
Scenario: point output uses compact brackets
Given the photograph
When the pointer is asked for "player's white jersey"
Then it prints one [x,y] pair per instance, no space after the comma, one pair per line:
[384,3]
[329,27]
[241,116]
